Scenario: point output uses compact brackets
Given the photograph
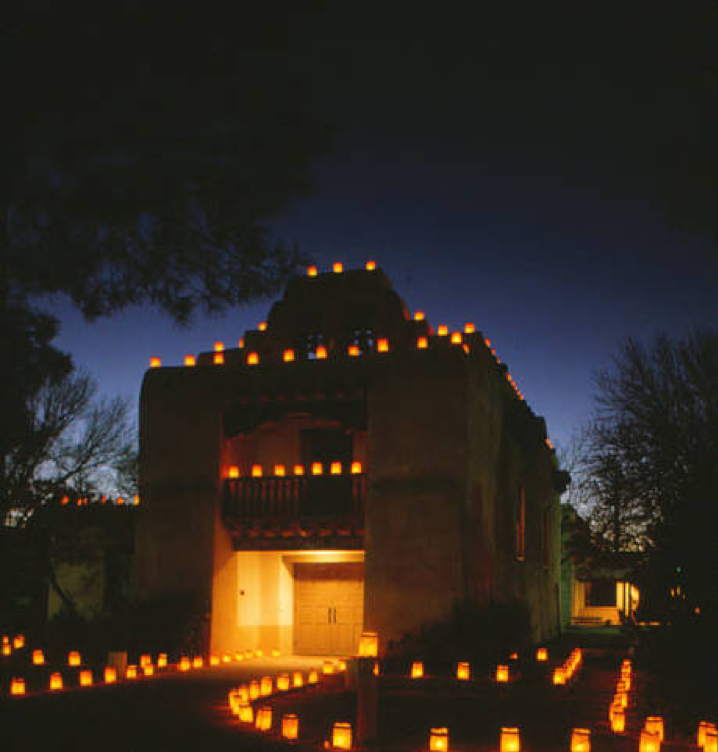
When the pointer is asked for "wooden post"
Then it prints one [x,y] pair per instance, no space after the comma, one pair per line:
[367,703]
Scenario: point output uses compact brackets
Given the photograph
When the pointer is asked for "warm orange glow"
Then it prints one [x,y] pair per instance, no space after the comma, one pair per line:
[456,338]
[514,657]
[370,265]
[618,720]
[353,351]
[241,343]
[422,343]
[233,471]
[418,315]
[38,657]
[337,267]
[654,725]
[703,728]
[148,670]
[189,360]
[321,352]
[136,500]
[280,471]
[297,679]
[299,469]
[288,356]
[110,675]
[266,686]
[510,740]
[262,326]
[86,678]
[264,719]
[243,693]
[17,686]
[463,671]
[382,345]
[342,736]
[256,471]
[55,682]
[218,358]
[313,677]
[18,642]
[335,468]
[254,689]
[283,682]
[439,740]
[649,742]
[469,328]
[559,675]
[226,658]
[369,641]
[162,660]
[542,654]
[580,740]
[622,698]
[317,468]
[443,330]
[218,346]
[197,661]
[327,667]
[710,740]
[245,713]
[239,656]
[311,271]
[356,468]
[131,672]
[375,670]
[155,362]
[290,726]
[184,664]
[6,648]
[502,674]
[417,670]
[249,654]
[252,359]
[73,658]
[145,660]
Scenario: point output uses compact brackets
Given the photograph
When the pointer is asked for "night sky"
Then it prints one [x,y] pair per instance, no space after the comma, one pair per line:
[508,167]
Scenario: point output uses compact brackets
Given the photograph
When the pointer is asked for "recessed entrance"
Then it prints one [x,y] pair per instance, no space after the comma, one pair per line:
[328,608]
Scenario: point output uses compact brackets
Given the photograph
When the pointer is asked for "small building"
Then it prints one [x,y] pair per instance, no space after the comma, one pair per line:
[347,467]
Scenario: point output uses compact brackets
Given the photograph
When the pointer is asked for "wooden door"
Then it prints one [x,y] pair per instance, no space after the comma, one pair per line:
[328,608]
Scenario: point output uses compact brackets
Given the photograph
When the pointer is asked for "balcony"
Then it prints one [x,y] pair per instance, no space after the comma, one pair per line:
[299,512]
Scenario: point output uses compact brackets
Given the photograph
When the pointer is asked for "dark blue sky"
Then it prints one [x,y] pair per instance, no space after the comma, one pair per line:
[499,175]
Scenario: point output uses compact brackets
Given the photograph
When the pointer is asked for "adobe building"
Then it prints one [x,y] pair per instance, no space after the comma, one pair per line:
[346,468]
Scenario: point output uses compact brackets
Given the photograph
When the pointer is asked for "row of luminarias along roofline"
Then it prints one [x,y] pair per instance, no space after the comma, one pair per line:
[83,501]
[280,471]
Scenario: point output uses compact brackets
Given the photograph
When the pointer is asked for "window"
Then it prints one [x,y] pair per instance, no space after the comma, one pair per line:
[521,525]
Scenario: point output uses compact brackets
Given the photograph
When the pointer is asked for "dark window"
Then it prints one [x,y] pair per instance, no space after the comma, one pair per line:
[601,593]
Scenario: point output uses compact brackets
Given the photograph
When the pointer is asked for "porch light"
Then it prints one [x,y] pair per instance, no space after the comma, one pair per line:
[418,315]
[254,689]
[580,740]
[86,678]
[266,686]
[148,670]
[317,468]
[218,358]
[559,675]
[283,682]
[313,677]
[131,672]
[280,471]
[233,471]
[439,740]
[502,674]
[649,742]
[55,682]
[244,712]
[469,328]
[189,360]
[162,660]
[288,356]
[327,667]
[262,326]
[542,654]
[110,675]
[145,660]
[290,726]
[311,271]
[321,352]
[463,671]
[299,469]
[252,359]
[17,686]
[417,670]
[335,468]
[218,346]
[369,641]
[38,657]
[382,345]
[184,664]
[18,642]
[256,471]
[264,719]
[353,351]
[155,362]
[73,658]
[654,725]
[297,679]
[342,736]
[510,740]
[337,267]
[422,343]
[370,265]
[456,338]
[443,330]
[197,661]
[356,468]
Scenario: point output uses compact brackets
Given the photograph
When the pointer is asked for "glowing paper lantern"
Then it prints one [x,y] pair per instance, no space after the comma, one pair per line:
[131,672]
[353,351]
[214,660]
[341,665]
[710,740]
[266,686]
[580,740]
[510,740]
[85,678]
[299,469]
[703,728]
[189,360]
[249,654]
[469,328]
[283,682]
[38,657]
[542,654]
[370,265]
[245,713]
[417,670]
[162,660]
[290,726]
[618,720]
[321,353]
[110,675]
[262,326]
[145,660]
[313,677]
[502,674]
[218,346]
[559,675]
[439,740]
[155,362]
[456,338]
[382,345]
[17,686]
[297,679]
[654,725]
[375,670]
[342,736]
[256,471]
[463,671]
[335,468]
[226,658]
[148,669]
[239,656]
[368,643]
[197,661]
[233,471]
[55,682]
[6,648]
[241,343]
[443,330]
[252,359]
[254,689]
[327,667]
[356,468]
[311,271]
[73,658]
[243,692]
[288,356]
[18,642]
[317,468]
[649,742]
[264,719]
[337,267]
[422,343]
[184,664]
[218,358]
[418,315]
